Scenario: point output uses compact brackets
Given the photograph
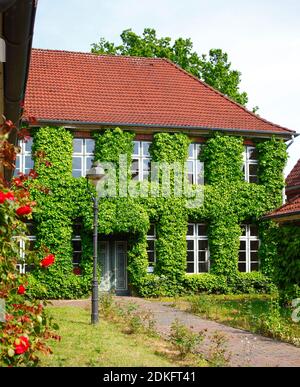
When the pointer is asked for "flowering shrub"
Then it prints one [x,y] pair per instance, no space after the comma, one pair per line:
[26,326]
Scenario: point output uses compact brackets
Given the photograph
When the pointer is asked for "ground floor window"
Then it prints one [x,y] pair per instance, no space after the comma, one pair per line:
[151,238]
[26,244]
[77,248]
[249,245]
[197,249]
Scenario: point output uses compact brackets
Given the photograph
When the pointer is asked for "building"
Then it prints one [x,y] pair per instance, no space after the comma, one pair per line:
[16,26]
[100,107]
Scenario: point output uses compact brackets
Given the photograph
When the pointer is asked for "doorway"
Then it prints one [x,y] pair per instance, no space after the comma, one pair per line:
[113,263]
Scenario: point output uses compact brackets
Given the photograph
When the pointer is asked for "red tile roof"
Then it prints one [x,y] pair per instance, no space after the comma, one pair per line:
[293,178]
[290,209]
[74,86]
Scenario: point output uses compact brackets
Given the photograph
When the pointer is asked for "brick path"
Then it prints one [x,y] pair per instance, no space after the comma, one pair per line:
[247,349]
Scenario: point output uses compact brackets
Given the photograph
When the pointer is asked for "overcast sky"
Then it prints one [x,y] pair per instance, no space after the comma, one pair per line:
[262,38]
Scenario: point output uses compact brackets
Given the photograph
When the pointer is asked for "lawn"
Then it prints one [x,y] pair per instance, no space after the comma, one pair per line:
[105,345]
[255,313]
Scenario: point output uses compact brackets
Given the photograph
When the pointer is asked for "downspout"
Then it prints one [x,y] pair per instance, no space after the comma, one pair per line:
[291,142]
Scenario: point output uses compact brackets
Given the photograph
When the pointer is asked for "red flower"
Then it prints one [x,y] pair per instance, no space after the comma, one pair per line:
[2,197]
[33,174]
[25,210]
[18,182]
[21,289]
[10,196]
[48,261]
[21,345]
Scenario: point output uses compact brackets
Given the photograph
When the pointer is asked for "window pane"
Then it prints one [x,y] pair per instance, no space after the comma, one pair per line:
[135,165]
[89,145]
[146,165]
[17,162]
[190,245]
[189,165]
[242,256]
[77,229]
[202,244]
[145,147]
[190,230]
[77,145]
[28,145]
[254,266]
[202,230]
[254,256]
[89,162]
[190,256]
[254,245]
[136,148]
[190,268]
[76,173]
[151,231]
[76,245]
[150,245]
[198,150]
[252,153]
[28,162]
[253,179]
[151,257]
[243,245]
[200,172]
[203,267]
[191,178]
[76,257]
[253,169]
[242,267]
[77,163]
[253,230]
[191,150]
[202,256]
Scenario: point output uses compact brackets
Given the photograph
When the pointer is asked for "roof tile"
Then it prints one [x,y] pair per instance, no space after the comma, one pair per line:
[73,86]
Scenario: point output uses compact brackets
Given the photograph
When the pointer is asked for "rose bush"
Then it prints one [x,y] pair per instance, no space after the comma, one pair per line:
[26,326]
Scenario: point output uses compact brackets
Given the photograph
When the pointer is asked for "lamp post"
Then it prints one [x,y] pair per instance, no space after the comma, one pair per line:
[94,175]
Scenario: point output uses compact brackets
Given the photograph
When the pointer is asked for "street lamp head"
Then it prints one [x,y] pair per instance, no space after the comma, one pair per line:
[96,173]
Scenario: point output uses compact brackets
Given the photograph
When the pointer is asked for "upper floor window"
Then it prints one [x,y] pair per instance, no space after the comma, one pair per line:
[194,165]
[24,161]
[197,249]
[151,239]
[249,245]
[141,161]
[83,154]
[251,164]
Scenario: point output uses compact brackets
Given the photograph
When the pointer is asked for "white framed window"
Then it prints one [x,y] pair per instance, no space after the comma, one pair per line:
[83,154]
[26,244]
[151,239]
[24,161]
[249,246]
[197,249]
[141,161]
[77,245]
[250,164]
[194,167]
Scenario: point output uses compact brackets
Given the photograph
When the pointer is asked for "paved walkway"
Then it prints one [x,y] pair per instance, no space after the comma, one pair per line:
[247,349]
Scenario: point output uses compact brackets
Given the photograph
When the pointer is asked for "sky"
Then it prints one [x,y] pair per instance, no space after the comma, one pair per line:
[261,37]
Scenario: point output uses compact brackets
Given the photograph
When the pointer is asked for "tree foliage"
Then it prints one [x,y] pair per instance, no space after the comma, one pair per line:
[214,68]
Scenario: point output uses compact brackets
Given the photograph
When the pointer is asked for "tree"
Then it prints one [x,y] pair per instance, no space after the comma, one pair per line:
[214,68]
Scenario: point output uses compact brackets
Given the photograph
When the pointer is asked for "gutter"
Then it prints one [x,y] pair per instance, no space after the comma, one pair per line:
[285,215]
[17,31]
[76,124]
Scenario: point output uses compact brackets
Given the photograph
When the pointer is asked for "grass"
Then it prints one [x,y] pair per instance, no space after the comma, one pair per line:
[83,345]
[255,313]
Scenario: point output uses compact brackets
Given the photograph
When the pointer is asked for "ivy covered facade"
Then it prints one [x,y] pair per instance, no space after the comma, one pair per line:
[159,244]
[155,244]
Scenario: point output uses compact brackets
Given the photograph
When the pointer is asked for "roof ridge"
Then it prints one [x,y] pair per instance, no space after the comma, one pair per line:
[97,55]
[226,97]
